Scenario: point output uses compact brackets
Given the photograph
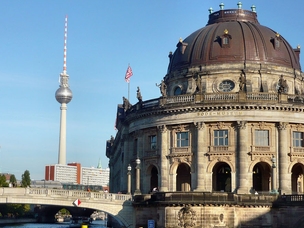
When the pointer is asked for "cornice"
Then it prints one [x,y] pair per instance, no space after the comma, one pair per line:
[212,107]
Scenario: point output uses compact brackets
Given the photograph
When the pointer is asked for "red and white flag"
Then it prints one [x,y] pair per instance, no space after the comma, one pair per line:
[129,73]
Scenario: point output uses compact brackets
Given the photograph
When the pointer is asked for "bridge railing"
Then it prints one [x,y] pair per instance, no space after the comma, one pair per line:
[64,193]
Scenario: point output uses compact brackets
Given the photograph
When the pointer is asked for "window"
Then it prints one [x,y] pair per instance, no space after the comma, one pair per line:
[261,137]
[225,40]
[226,86]
[177,91]
[221,138]
[182,139]
[135,147]
[153,142]
[298,139]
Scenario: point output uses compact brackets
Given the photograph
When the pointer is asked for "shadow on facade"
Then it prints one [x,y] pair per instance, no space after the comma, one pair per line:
[202,209]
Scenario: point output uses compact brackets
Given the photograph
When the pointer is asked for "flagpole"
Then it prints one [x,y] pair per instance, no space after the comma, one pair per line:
[128,91]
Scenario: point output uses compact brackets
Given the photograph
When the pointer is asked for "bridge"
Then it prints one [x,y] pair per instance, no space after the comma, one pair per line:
[118,206]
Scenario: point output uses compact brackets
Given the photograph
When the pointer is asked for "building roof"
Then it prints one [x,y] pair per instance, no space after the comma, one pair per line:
[233,36]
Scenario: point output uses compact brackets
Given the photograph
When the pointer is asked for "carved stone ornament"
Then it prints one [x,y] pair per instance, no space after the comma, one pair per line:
[162,128]
[282,125]
[241,124]
[220,125]
[199,125]
[180,128]
[299,127]
[262,125]
[186,217]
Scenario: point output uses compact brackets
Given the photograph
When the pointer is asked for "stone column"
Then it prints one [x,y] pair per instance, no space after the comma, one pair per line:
[126,160]
[137,185]
[284,176]
[241,162]
[273,176]
[163,177]
[200,151]
[129,179]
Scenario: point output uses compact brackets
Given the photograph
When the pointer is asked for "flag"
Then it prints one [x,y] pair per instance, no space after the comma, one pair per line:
[129,73]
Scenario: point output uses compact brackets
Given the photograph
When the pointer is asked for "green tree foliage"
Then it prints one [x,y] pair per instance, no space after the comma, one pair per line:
[16,210]
[3,182]
[13,180]
[64,212]
[26,179]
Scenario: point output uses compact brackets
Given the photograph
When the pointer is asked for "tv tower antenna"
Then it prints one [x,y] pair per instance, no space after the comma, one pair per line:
[63,96]
[65,43]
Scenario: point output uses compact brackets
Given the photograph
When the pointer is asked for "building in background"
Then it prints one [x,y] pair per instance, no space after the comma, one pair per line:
[62,173]
[75,174]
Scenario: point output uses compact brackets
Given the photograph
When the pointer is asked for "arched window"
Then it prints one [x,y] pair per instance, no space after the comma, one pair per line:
[177,91]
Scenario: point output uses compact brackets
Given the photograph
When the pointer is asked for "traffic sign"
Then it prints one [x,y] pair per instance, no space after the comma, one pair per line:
[77,202]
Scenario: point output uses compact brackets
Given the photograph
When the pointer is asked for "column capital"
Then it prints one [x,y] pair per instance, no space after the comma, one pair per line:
[199,125]
[241,124]
[162,128]
[282,125]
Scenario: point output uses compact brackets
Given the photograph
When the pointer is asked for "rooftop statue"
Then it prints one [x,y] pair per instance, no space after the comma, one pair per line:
[126,104]
[138,94]
[163,88]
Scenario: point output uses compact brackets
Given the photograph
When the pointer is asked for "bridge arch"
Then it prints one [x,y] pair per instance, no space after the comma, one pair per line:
[119,206]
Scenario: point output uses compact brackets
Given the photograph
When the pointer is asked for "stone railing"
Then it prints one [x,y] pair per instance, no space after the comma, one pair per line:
[180,99]
[57,193]
[220,97]
[211,98]
[262,96]
[208,198]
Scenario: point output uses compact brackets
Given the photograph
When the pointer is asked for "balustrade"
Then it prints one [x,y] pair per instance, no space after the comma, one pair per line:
[57,193]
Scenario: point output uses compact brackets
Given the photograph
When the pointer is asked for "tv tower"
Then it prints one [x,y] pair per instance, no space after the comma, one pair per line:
[63,96]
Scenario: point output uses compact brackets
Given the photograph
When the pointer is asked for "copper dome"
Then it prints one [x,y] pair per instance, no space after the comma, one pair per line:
[233,36]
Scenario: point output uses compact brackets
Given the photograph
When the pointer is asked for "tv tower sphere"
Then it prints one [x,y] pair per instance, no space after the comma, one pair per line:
[64,94]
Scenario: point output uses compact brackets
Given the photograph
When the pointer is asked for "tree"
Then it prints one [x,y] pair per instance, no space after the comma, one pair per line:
[26,179]
[3,182]
[13,180]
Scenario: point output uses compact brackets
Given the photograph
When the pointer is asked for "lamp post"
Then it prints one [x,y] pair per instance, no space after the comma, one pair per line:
[137,189]
[129,179]
[273,176]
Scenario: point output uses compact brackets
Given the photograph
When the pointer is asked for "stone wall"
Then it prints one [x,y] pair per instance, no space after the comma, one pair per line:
[220,216]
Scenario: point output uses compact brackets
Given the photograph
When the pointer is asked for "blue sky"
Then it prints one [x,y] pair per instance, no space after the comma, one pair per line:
[103,38]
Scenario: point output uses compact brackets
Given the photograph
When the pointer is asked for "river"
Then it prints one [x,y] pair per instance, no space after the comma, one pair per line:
[95,224]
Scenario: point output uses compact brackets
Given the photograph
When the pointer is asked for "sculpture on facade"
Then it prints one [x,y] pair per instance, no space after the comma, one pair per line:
[126,104]
[198,84]
[163,88]
[242,81]
[138,94]
[282,85]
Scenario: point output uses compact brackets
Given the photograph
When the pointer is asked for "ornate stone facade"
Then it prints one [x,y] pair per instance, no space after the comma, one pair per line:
[231,120]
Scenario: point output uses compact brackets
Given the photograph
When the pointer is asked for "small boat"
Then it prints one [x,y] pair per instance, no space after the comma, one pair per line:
[80,222]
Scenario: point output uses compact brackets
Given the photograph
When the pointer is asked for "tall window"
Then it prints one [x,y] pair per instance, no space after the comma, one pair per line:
[298,139]
[135,147]
[261,137]
[153,142]
[221,138]
[182,139]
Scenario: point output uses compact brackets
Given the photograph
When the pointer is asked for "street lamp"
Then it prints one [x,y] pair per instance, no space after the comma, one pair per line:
[129,179]
[273,177]
[137,190]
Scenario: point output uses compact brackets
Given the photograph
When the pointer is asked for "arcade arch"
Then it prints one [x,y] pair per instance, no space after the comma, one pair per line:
[261,177]
[297,183]
[221,177]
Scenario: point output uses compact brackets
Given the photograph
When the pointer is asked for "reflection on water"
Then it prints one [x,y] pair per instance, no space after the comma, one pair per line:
[95,224]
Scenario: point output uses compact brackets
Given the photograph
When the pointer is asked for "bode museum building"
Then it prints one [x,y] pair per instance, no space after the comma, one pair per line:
[228,127]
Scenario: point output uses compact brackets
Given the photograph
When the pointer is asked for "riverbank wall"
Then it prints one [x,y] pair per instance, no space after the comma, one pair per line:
[17,220]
